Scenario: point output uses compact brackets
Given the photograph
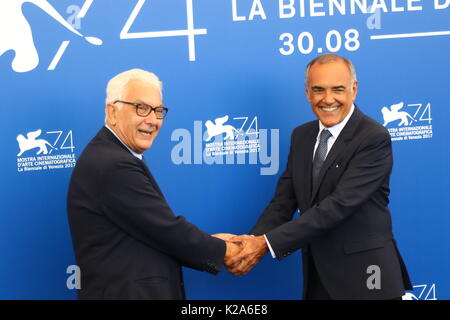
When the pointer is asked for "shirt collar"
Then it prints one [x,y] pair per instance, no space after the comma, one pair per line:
[137,155]
[336,129]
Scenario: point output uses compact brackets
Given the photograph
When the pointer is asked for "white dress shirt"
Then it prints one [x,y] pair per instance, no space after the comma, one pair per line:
[335,131]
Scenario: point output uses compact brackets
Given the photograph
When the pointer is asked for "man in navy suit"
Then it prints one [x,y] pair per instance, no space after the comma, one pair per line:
[337,177]
[128,243]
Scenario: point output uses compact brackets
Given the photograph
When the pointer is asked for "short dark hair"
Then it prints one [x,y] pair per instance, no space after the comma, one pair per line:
[329,57]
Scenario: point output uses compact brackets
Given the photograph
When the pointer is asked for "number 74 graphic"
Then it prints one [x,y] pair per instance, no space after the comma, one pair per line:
[190,32]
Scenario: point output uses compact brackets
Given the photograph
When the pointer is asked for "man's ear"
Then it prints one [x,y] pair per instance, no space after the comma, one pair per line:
[307,92]
[111,114]
[355,89]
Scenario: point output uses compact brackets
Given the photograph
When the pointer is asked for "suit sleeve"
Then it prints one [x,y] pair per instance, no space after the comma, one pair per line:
[131,202]
[365,174]
[284,203]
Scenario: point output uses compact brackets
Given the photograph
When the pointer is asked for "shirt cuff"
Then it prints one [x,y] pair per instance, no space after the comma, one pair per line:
[270,247]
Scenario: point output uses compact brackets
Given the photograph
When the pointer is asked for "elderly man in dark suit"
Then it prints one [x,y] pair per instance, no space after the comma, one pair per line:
[128,243]
[337,177]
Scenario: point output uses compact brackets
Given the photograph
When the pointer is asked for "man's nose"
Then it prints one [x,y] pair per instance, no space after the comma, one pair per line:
[328,97]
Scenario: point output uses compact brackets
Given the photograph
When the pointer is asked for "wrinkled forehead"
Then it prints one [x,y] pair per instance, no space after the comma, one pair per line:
[140,91]
[329,74]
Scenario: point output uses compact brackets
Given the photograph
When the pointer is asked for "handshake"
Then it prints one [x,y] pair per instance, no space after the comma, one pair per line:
[243,252]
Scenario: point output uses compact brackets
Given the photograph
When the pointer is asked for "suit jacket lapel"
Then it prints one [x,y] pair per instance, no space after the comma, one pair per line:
[339,145]
[307,154]
[152,179]
[107,134]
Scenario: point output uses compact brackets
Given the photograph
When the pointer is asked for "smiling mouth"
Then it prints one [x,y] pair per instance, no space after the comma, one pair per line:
[145,132]
[329,109]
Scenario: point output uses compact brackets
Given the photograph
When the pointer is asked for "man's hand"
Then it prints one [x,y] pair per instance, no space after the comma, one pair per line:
[232,250]
[224,236]
[253,250]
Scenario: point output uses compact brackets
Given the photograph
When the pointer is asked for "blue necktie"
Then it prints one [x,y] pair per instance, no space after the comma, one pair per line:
[319,156]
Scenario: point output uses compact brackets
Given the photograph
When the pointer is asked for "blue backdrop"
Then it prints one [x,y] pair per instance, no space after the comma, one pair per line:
[238,58]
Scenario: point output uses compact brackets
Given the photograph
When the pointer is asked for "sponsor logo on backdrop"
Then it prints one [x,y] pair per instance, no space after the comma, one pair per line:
[30,142]
[218,127]
[422,292]
[49,151]
[408,121]
[227,140]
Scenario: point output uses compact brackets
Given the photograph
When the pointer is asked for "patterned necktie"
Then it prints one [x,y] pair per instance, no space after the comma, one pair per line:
[319,156]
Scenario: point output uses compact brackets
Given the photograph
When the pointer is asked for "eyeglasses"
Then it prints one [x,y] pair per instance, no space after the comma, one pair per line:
[143,110]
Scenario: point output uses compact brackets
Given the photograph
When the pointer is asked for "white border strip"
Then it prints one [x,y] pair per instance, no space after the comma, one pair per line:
[158,34]
[410,35]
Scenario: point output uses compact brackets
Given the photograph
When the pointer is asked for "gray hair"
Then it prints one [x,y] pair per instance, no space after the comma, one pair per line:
[330,57]
[116,86]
